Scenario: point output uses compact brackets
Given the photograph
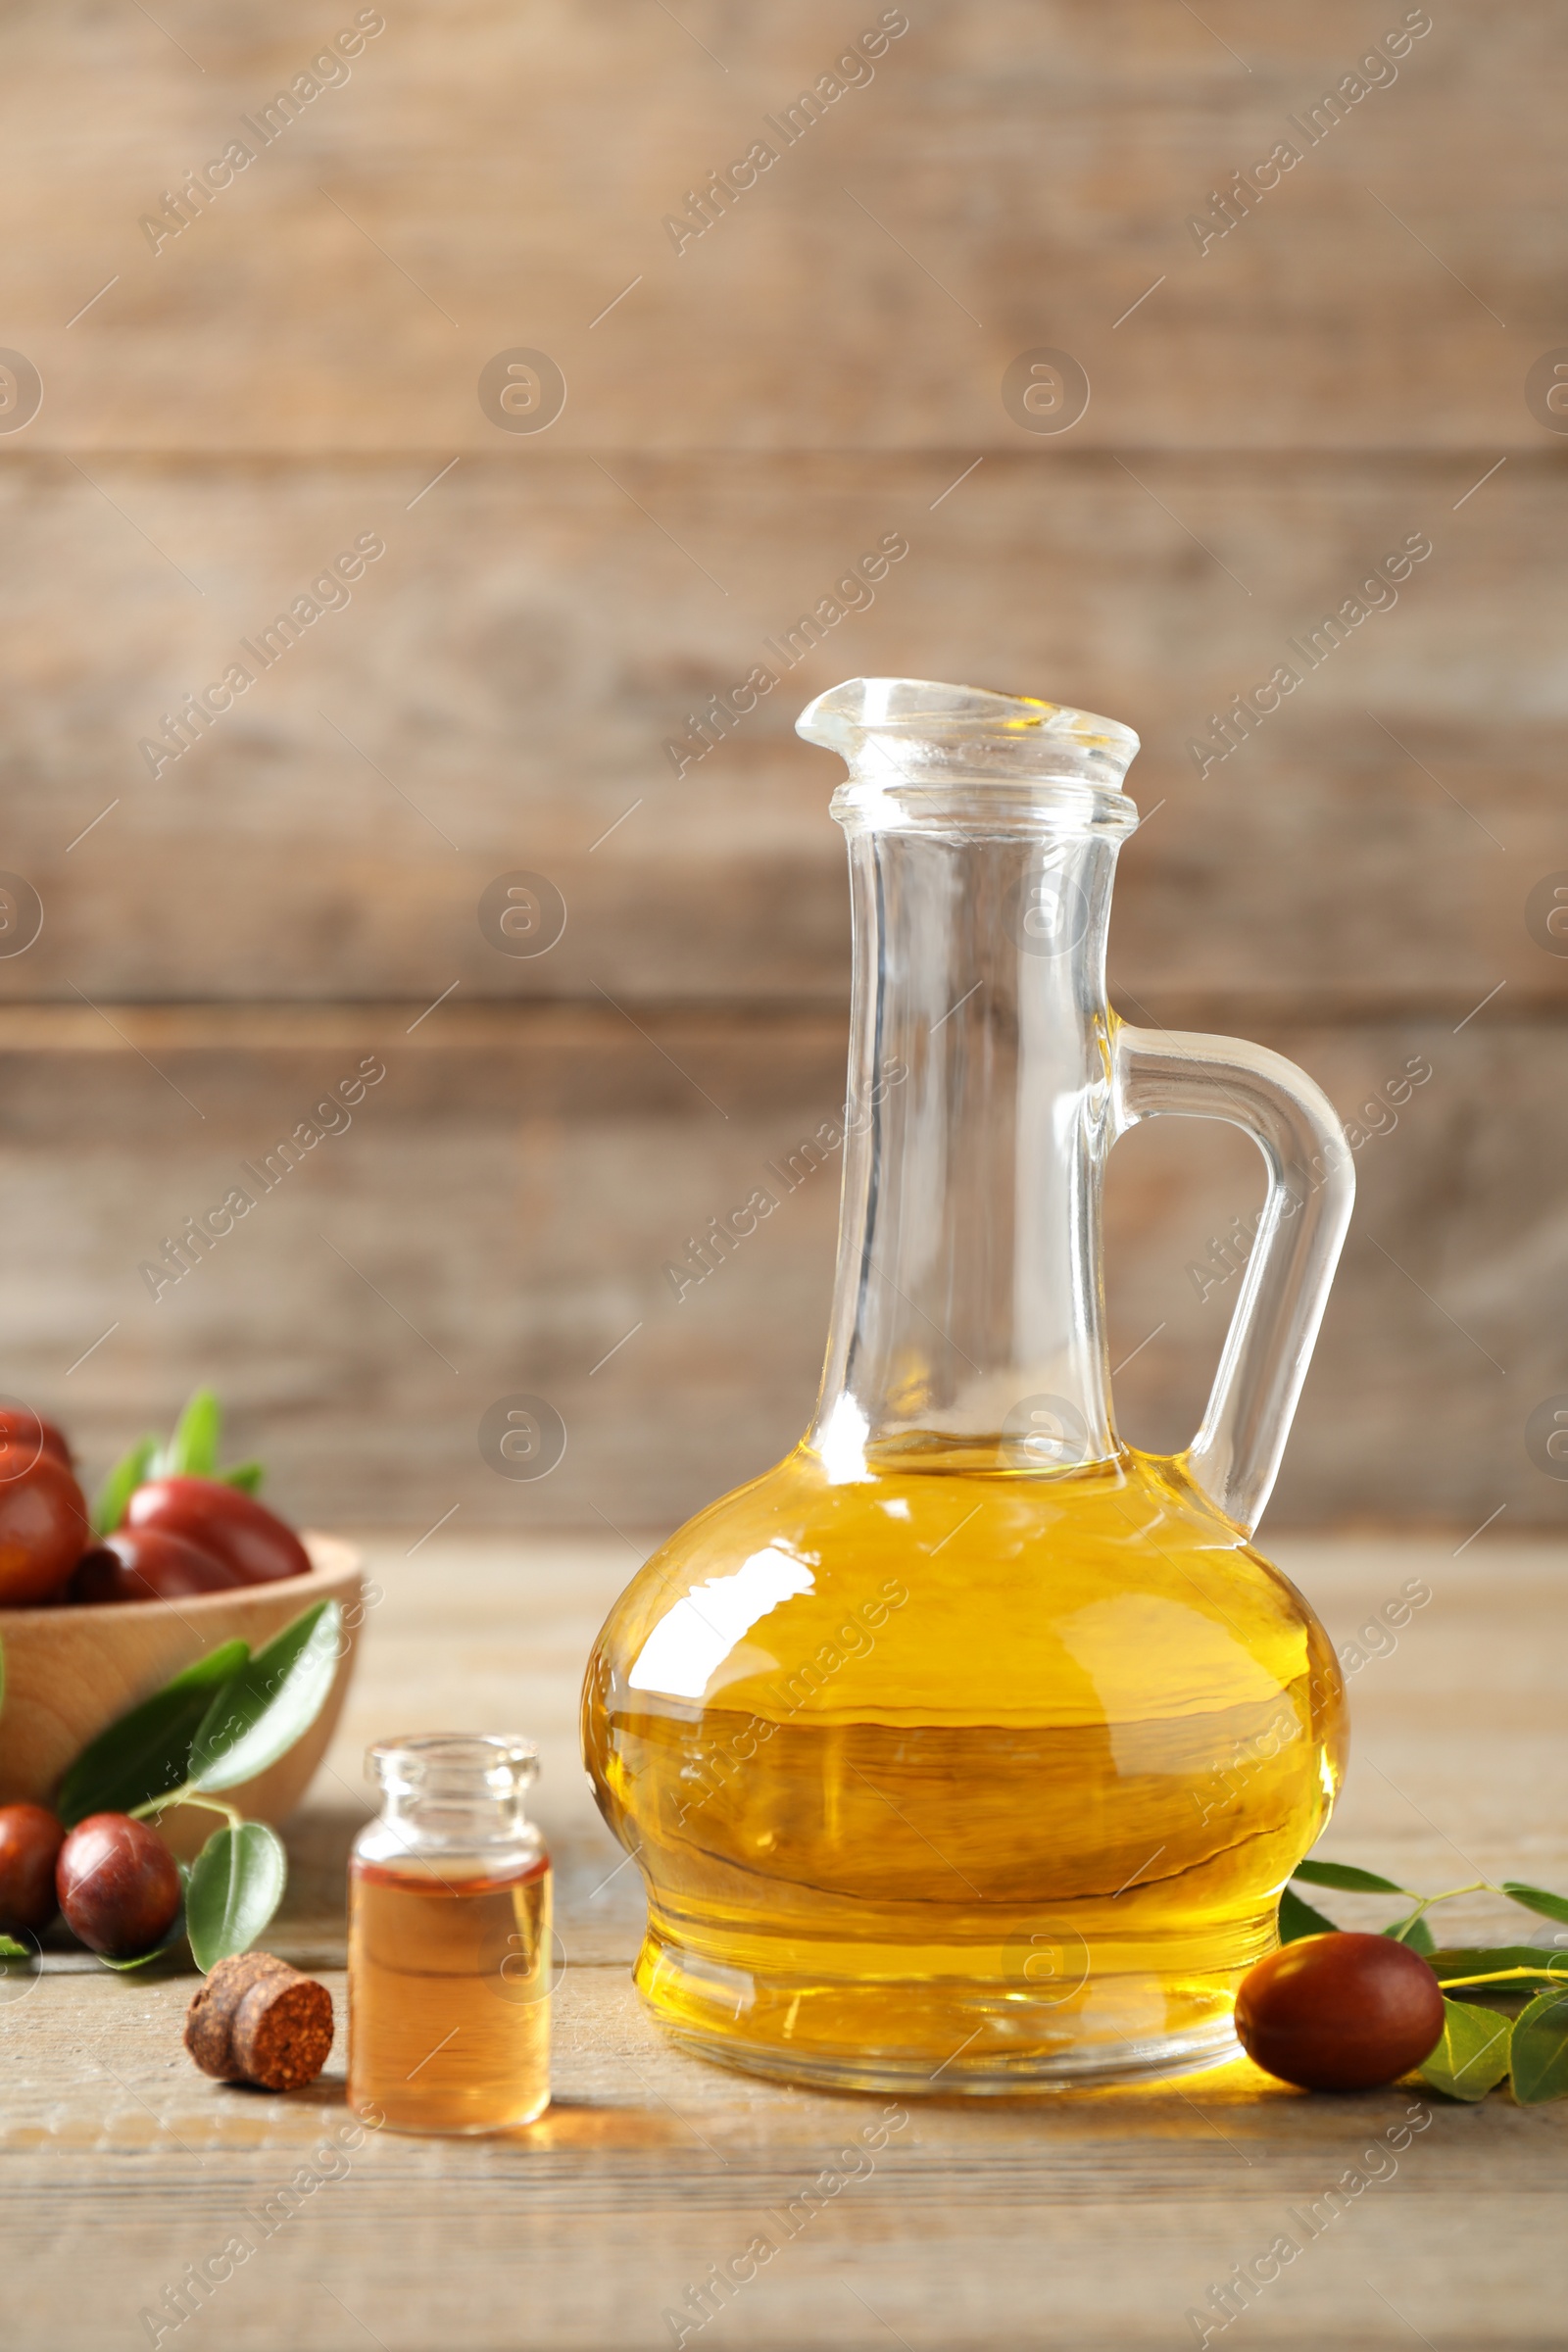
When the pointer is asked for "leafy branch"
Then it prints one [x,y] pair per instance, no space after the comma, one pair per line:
[223,1721]
[1480,2046]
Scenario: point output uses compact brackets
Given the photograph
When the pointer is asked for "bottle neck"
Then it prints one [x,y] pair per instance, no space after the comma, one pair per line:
[967,1322]
[453,1792]
[460,1821]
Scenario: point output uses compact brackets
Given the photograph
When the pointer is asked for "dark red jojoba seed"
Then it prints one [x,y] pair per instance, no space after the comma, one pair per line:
[1340,2012]
[222,1520]
[31,1838]
[148,1563]
[117,1886]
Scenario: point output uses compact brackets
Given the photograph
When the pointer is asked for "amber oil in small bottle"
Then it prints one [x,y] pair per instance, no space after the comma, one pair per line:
[450,1940]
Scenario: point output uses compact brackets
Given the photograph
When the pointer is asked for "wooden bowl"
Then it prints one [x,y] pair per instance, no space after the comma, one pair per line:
[69,1671]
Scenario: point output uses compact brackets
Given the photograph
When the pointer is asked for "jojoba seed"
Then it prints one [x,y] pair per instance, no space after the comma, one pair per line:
[23,1436]
[222,1520]
[31,1838]
[1340,2012]
[148,1563]
[43,1532]
[117,1885]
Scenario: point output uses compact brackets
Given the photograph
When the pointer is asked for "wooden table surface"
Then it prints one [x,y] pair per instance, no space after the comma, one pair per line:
[1084,2220]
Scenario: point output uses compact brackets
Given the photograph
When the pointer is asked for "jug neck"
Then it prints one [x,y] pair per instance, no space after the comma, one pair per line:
[968,1325]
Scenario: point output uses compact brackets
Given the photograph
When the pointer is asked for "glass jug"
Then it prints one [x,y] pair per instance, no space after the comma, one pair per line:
[970,1749]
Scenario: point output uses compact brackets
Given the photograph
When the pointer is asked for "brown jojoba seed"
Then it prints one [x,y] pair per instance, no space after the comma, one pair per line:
[117,1885]
[1340,2012]
[31,1838]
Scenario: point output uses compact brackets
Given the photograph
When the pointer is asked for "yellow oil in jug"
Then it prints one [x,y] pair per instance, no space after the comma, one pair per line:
[957,1776]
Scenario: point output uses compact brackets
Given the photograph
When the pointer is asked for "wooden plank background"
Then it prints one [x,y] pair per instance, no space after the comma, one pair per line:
[297,370]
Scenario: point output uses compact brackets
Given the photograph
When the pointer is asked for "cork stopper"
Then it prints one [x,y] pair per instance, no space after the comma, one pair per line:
[257,2020]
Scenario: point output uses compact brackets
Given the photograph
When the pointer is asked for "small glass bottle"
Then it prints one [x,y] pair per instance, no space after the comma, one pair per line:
[450,1940]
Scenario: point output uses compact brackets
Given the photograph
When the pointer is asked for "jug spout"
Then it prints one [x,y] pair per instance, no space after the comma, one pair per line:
[904,736]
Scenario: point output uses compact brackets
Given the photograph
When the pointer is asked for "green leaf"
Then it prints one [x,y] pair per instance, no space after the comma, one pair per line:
[10,1949]
[192,1451]
[1299,1919]
[146,1754]
[236,1884]
[1538,2054]
[1537,1898]
[161,1950]
[1340,1874]
[114,1496]
[1414,1932]
[247,1476]
[1472,2054]
[272,1700]
[1489,1960]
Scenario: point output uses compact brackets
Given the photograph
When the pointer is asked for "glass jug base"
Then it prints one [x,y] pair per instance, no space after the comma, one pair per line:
[990,2041]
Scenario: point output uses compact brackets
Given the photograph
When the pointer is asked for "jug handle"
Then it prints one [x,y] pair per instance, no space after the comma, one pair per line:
[1235,1458]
